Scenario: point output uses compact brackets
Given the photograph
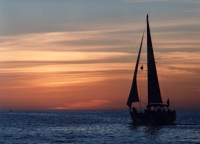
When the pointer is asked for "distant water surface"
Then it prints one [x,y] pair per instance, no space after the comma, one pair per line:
[93,127]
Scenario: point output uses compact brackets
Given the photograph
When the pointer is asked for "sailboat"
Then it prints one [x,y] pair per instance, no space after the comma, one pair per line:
[156,112]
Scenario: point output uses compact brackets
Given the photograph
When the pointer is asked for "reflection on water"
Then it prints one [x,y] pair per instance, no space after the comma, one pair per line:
[149,131]
[152,131]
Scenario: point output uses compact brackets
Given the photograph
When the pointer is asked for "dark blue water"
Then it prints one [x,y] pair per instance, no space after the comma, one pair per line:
[93,127]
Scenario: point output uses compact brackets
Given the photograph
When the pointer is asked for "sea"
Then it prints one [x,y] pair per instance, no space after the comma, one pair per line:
[99,127]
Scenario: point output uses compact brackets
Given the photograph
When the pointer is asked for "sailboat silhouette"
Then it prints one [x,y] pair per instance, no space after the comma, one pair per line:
[155,114]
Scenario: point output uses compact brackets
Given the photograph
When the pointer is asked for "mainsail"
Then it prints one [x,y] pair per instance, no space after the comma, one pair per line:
[154,95]
[133,96]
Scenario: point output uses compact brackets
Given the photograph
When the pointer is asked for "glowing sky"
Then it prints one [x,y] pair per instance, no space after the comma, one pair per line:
[81,54]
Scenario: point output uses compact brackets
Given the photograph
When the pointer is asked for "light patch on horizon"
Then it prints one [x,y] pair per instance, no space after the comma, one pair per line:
[92,104]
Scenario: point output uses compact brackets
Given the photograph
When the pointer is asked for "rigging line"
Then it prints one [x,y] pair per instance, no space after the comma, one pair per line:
[160,68]
[138,60]
[145,71]
[140,97]
[164,83]
[157,65]
[143,83]
[142,88]
[140,92]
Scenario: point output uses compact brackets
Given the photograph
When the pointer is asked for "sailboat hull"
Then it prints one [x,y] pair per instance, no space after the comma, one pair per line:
[150,117]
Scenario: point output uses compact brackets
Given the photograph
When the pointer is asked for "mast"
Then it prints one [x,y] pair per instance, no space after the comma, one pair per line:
[133,96]
[154,95]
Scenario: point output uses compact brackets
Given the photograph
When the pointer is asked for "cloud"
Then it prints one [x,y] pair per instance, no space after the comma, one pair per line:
[95,40]
[43,60]
[57,55]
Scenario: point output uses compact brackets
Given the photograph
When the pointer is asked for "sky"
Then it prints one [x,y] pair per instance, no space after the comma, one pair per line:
[64,54]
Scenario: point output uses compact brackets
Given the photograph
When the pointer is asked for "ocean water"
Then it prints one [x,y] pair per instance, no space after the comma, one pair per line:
[93,127]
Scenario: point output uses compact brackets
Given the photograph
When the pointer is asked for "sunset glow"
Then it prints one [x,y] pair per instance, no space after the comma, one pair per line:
[83,58]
